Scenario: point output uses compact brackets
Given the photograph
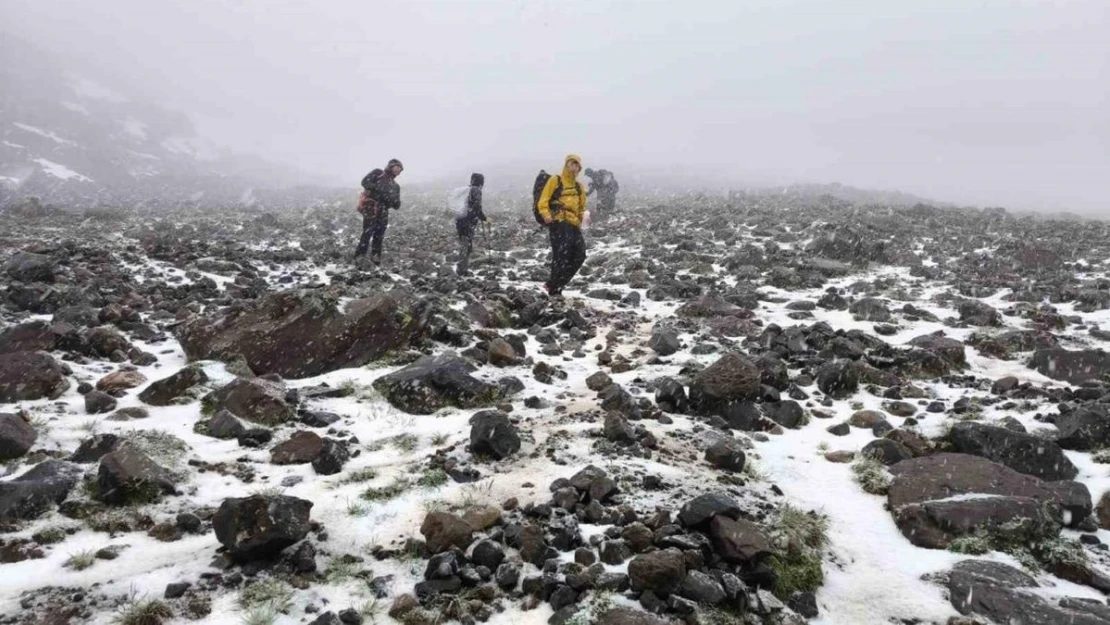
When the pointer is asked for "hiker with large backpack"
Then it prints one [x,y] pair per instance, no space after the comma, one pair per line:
[380,194]
[467,205]
[561,206]
[605,184]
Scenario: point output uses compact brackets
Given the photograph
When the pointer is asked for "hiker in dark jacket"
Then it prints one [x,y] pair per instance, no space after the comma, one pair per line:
[605,184]
[383,194]
[466,224]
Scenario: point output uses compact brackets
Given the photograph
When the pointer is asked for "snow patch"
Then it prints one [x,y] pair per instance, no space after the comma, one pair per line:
[60,171]
[15,145]
[43,133]
[76,108]
[90,90]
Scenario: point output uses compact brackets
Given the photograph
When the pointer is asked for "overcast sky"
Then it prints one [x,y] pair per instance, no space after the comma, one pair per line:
[991,103]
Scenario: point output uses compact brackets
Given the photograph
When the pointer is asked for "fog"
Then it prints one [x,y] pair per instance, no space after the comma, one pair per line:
[989,103]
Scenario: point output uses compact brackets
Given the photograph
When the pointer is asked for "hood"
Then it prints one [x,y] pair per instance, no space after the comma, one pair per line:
[567,175]
[477,180]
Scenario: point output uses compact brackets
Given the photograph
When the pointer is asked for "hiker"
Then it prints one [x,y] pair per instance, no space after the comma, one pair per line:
[605,184]
[467,222]
[561,206]
[380,194]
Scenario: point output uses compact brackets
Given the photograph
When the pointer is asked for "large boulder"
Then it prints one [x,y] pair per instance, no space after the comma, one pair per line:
[948,348]
[32,336]
[260,526]
[270,333]
[120,380]
[301,448]
[163,392]
[106,341]
[27,376]
[33,493]
[1072,366]
[256,400]
[938,498]
[699,511]
[711,306]
[738,540]
[443,530]
[661,572]
[733,378]
[1003,594]
[977,313]
[492,434]
[1024,453]
[838,379]
[31,267]
[870,309]
[16,436]
[434,382]
[1084,429]
[127,474]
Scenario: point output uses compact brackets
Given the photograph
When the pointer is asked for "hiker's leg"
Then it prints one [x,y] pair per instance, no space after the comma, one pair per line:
[558,256]
[576,254]
[364,240]
[380,225]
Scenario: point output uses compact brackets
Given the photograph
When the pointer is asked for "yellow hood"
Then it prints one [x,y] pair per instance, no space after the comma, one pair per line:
[568,177]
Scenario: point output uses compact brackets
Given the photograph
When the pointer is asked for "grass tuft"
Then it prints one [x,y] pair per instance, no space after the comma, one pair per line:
[269,591]
[144,612]
[390,491]
[81,560]
[871,475]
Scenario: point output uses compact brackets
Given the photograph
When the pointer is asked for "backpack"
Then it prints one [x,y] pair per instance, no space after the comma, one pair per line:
[537,191]
[366,199]
[456,201]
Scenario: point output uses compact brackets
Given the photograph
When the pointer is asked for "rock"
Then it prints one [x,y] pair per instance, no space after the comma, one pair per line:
[615,552]
[127,474]
[1024,453]
[507,576]
[631,616]
[787,413]
[709,306]
[699,511]
[887,451]
[902,409]
[598,381]
[1084,429]
[1004,385]
[738,541]
[870,309]
[1102,511]
[501,353]
[256,400]
[670,395]
[838,379]
[1073,367]
[733,378]
[443,530]
[16,436]
[488,554]
[840,457]
[27,376]
[332,457]
[30,267]
[977,313]
[97,402]
[659,571]
[664,342]
[163,392]
[260,526]
[1004,594]
[617,429]
[96,447]
[32,336]
[269,333]
[301,448]
[938,498]
[31,494]
[701,588]
[492,434]
[176,590]
[226,426]
[726,455]
[866,418]
[434,382]
[104,341]
[482,518]
[120,380]
[804,603]
[328,618]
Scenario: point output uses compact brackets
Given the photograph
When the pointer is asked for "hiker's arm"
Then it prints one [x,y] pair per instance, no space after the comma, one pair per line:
[389,194]
[544,205]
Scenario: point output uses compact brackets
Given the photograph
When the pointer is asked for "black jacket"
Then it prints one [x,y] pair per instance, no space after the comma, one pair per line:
[383,189]
[474,212]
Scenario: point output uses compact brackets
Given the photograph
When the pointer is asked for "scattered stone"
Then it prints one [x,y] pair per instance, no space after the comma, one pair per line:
[260,526]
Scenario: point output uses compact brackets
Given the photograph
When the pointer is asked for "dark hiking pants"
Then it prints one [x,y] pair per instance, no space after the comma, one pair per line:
[373,233]
[465,229]
[568,252]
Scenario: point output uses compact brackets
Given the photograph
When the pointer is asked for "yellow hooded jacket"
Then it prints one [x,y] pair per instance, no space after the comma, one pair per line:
[571,204]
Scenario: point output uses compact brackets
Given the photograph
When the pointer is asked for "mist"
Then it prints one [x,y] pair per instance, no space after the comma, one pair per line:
[1000,103]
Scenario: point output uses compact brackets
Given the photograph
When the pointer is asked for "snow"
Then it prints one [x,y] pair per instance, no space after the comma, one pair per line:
[43,133]
[14,145]
[193,147]
[135,128]
[77,108]
[60,171]
[91,90]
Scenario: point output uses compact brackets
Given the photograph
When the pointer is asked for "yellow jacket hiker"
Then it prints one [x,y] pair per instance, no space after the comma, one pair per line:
[570,205]
[564,215]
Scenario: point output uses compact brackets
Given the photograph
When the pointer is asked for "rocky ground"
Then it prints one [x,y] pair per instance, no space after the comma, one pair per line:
[755,411]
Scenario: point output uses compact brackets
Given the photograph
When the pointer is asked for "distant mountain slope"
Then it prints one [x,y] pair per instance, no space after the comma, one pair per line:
[76,142]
